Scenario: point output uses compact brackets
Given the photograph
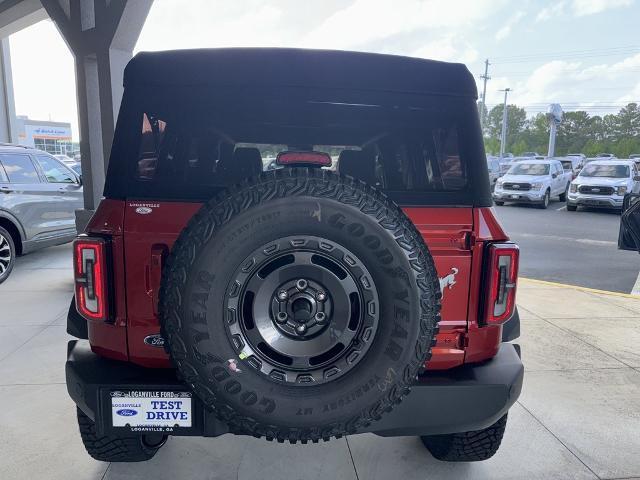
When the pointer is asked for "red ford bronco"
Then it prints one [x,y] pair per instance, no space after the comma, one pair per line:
[295,245]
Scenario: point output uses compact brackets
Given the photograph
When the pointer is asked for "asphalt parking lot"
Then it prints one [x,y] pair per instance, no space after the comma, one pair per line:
[578,248]
[577,416]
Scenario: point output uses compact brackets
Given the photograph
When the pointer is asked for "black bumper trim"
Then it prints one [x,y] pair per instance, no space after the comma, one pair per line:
[76,323]
[511,328]
[467,398]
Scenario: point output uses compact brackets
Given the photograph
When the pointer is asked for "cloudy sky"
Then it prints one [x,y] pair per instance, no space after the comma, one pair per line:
[584,54]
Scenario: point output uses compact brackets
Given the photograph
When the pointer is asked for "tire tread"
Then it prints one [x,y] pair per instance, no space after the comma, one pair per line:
[286,183]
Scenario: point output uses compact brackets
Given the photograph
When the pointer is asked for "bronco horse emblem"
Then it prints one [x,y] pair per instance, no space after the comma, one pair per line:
[448,281]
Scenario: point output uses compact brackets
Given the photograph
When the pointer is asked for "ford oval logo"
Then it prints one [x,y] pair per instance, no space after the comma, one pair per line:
[144,210]
[126,412]
[154,340]
[595,190]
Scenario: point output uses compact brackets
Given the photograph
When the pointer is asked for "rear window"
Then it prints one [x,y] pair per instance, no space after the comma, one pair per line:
[409,160]
[19,168]
[418,149]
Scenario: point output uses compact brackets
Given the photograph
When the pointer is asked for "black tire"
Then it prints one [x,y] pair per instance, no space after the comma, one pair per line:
[288,211]
[7,254]
[571,208]
[467,446]
[545,200]
[108,448]
[498,203]
[563,196]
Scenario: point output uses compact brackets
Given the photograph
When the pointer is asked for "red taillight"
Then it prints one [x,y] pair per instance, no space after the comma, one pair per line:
[501,279]
[321,159]
[90,278]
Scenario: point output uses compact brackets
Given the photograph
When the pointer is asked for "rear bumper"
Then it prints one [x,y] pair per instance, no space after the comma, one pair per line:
[467,398]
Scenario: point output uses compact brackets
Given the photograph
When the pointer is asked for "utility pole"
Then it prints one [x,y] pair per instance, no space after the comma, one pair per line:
[484,77]
[505,119]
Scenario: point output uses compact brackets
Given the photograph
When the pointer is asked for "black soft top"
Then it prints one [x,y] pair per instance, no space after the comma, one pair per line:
[299,68]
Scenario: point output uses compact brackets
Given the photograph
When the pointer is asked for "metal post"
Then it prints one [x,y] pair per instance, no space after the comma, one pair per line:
[485,77]
[505,119]
[552,139]
[554,117]
[101,35]
[8,126]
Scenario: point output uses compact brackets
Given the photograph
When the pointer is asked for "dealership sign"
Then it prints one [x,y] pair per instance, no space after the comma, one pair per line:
[45,131]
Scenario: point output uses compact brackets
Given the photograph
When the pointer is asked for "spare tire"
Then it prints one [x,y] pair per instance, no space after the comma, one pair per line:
[299,305]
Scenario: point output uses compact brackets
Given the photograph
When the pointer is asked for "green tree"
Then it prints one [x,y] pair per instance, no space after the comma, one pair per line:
[516,124]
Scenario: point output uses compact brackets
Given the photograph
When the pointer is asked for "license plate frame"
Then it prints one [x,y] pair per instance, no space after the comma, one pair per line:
[150,410]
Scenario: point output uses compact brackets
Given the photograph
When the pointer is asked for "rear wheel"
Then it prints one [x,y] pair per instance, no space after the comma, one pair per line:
[109,448]
[499,203]
[7,254]
[467,446]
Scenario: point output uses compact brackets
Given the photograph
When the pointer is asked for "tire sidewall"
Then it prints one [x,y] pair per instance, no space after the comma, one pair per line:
[202,351]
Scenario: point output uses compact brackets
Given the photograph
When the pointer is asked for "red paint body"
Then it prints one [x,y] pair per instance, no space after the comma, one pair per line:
[455,237]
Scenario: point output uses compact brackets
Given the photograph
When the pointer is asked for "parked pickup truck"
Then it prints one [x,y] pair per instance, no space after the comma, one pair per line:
[603,184]
[533,181]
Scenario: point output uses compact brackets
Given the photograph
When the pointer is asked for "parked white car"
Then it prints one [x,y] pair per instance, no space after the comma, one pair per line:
[603,183]
[533,181]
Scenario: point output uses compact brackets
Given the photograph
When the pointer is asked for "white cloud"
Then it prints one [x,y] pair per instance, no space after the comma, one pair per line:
[572,83]
[366,21]
[551,11]
[589,7]
[239,23]
[511,22]
[447,49]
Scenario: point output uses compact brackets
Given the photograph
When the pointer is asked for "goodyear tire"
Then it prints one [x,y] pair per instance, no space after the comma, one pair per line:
[299,305]
[109,448]
[474,446]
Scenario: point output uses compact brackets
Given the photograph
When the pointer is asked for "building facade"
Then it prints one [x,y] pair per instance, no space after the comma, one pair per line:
[52,137]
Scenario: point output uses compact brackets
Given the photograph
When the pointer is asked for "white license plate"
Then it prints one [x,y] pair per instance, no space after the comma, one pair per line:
[151,409]
[514,196]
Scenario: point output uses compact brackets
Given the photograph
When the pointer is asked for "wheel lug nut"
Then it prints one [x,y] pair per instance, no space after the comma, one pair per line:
[301,328]
[282,317]
[302,284]
[320,317]
[283,295]
[321,296]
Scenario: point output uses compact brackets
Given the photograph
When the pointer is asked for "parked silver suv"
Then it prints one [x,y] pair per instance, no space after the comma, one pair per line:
[38,199]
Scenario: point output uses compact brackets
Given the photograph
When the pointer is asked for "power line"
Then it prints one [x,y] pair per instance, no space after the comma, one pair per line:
[575,54]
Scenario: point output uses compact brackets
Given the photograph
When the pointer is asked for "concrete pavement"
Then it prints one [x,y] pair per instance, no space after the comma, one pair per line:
[578,416]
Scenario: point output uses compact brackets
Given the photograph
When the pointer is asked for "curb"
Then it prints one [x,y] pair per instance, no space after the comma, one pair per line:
[577,287]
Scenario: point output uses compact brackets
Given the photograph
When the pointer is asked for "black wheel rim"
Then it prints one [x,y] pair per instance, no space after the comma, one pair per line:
[302,310]
[6,256]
